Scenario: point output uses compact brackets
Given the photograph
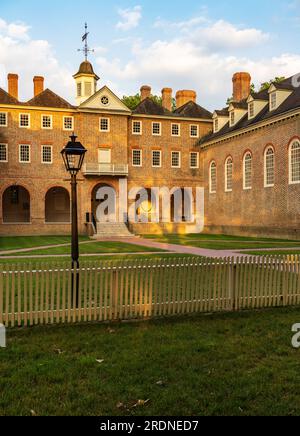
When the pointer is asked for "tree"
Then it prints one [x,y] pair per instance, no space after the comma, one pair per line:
[132,101]
[266,85]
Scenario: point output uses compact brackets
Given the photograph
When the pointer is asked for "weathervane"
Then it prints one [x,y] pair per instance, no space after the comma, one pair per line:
[86,50]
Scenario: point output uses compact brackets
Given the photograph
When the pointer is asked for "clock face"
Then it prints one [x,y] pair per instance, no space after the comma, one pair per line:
[105,100]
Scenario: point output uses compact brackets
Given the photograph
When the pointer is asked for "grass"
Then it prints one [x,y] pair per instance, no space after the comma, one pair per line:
[224,242]
[223,364]
[18,242]
[94,248]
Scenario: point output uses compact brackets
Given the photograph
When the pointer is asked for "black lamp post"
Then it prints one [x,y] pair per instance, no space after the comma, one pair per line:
[73,155]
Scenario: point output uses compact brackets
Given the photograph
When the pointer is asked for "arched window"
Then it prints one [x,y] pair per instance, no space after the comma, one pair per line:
[16,205]
[213,178]
[294,164]
[57,206]
[229,174]
[247,179]
[269,173]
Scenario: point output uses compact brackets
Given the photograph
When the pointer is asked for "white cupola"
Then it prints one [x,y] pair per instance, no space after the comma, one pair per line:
[86,82]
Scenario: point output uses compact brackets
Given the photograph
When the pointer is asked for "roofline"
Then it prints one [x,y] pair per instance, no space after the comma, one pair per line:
[173,118]
[37,108]
[260,124]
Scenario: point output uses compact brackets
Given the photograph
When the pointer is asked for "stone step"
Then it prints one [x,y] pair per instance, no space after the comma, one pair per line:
[110,230]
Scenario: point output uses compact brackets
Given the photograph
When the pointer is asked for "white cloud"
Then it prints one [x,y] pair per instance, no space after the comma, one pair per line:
[27,57]
[130,18]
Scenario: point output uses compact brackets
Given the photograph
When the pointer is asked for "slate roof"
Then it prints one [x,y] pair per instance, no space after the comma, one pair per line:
[291,103]
[5,98]
[189,110]
[48,98]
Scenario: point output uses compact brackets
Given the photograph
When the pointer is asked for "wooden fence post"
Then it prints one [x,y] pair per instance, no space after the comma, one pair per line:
[114,296]
[232,283]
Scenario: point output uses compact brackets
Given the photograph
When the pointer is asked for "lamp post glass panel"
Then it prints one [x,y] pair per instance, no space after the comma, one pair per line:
[73,155]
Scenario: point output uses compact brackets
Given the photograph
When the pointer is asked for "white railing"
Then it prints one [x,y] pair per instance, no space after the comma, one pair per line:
[105,169]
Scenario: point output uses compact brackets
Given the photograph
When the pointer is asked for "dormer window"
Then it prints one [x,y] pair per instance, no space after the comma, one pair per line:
[216,125]
[251,110]
[79,90]
[273,101]
[232,118]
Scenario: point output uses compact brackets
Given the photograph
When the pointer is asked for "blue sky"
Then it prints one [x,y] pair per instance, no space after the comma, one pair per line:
[182,44]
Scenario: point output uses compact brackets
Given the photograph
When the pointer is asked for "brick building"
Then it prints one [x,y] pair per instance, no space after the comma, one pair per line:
[150,146]
[246,156]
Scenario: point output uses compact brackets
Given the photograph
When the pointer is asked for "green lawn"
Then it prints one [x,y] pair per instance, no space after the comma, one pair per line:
[224,242]
[94,248]
[19,242]
[274,253]
[224,364]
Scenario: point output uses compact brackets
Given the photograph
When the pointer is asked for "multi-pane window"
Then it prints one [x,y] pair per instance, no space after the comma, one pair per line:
[46,122]
[3,152]
[3,119]
[251,109]
[104,124]
[232,118]
[248,171]
[269,167]
[79,89]
[68,123]
[136,158]
[228,174]
[273,98]
[24,153]
[46,154]
[194,160]
[216,125]
[156,158]
[88,89]
[213,178]
[156,129]
[194,131]
[295,162]
[137,127]
[24,120]
[175,130]
[176,159]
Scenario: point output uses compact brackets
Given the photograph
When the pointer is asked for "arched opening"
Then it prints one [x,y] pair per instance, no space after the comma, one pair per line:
[104,203]
[16,205]
[177,206]
[57,206]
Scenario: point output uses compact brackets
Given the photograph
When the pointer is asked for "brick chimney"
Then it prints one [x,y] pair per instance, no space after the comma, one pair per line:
[13,85]
[145,92]
[38,85]
[185,96]
[167,98]
[241,86]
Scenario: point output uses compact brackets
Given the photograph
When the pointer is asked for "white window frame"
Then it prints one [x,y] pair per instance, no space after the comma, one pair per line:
[266,184]
[141,157]
[42,154]
[6,148]
[64,127]
[251,109]
[29,121]
[108,125]
[29,148]
[156,134]
[160,158]
[141,128]
[232,118]
[226,174]
[197,154]
[216,125]
[51,122]
[247,188]
[197,127]
[211,190]
[273,103]
[6,119]
[179,156]
[291,181]
[179,130]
